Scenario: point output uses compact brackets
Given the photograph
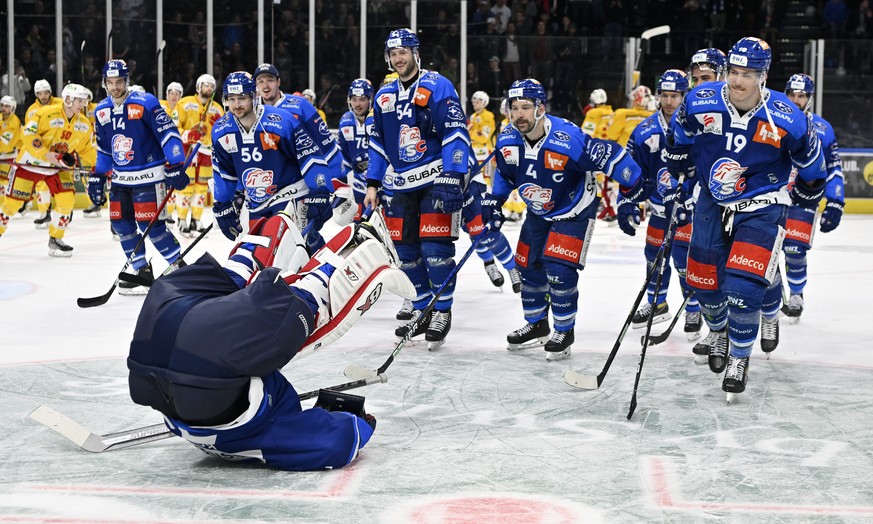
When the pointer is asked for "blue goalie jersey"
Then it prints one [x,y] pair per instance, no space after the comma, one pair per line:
[556,176]
[275,161]
[135,139]
[742,160]
[420,132]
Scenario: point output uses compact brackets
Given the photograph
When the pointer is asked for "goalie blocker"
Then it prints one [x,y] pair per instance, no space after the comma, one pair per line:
[210,341]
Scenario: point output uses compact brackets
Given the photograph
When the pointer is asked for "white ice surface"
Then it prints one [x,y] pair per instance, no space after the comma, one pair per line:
[471,433]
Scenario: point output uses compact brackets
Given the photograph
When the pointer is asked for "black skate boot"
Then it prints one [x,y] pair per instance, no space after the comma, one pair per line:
[529,336]
[693,323]
[515,278]
[92,212]
[420,327]
[794,308]
[769,334]
[145,275]
[59,248]
[735,377]
[43,221]
[405,312]
[494,273]
[718,351]
[440,325]
[641,317]
[184,228]
[558,347]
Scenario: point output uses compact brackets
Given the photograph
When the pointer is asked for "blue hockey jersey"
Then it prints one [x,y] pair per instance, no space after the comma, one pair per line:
[556,176]
[135,139]
[740,159]
[308,116]
[420,132]
[834,190]
[276,161]
[354,143]
[646,146]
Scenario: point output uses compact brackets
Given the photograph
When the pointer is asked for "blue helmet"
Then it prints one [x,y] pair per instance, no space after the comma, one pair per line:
[239,83]
[401,38]
[711,56]
[800,83]
[527,88]
[752,53]
[116,69]
[361,87]
[672,80]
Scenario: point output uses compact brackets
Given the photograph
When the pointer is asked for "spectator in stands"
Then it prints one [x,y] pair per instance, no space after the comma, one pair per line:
[503,14]
[835,15]
[512,54]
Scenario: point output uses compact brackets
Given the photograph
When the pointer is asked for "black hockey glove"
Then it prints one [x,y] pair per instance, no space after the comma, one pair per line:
[492,211]
[227,215]
[807,194]
[447,192]
[830,217]
[628,216]
[97,188]
[678,159]
[176,176]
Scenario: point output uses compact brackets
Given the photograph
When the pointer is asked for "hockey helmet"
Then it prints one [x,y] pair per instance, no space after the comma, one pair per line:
[528,88]
[41,85]
[116,69]
[504,107]
[239,83]
[709,56]
[89,93]
[205,78]
[640,96]
[74,91]
[7,100]
[672,80]
[361,87]
[800,83]
[751,53]
[309,95]
[136,88]
[175,86]
[401,38]
[597,97]
[481,96]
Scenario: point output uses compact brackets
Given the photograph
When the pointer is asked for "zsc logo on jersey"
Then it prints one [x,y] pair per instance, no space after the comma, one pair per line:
[122,150]
[135,111]
[258,183]
[410,145]
[555,161]
[706,93]
[782,106]
[387,102]
[510,155]
[537,198]
[665,181]
[765,135]
[560,135]
[725,178]
[711,122]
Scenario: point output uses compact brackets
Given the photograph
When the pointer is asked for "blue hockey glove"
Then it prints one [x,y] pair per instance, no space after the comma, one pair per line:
[830,217]
[176,177]
[318,208]
[424,120]
[227,215]
[678,159]
[807,194]
[97,188]
[628,216]
[492,211]
[447,193]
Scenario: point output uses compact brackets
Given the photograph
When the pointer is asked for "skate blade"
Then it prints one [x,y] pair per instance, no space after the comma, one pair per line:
[60,254]
[554,356]
[532,344]
[657,320]
[435,344]
[701,360]
[40,226]
[138,291]
[692,336]
[730,398]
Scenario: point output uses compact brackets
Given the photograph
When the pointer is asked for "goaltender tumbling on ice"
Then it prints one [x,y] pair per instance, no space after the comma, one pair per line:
[210,341]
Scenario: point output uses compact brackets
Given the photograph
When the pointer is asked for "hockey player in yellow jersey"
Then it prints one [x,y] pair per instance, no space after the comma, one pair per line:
[43,92]
[10,139]
[625,120]
[171,106]
[197,114]
[598,118]
[481,127]
[57,139]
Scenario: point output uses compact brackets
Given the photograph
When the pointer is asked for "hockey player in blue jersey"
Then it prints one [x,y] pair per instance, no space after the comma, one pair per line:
[742,140]
[265,159]
[645,146]
[139,143]
[353,138]
[552,163]
[800,227]
[211,339]
[707,65]
[419,130]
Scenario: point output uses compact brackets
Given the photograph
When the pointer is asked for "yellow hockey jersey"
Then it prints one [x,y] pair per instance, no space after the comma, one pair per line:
[191,114]
[10,137]
[50,134]
[482,129]
[173,113]
[624,122]
[36,106]
[597,121]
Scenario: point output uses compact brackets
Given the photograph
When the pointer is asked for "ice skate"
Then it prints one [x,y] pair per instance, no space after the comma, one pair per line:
[92,212]
[693,323]
[43,221]
[494,274]
[193,227]
[641,317]
[58,248]
[794,308]
[718,351]
[515,279]
[735,377]
[440,324]
[558,347]
[184,227]
[132,289]
[769,335]
[405,312]
[420,327]
[529,336]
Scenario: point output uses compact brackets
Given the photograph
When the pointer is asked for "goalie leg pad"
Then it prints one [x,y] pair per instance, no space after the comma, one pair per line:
[277,243]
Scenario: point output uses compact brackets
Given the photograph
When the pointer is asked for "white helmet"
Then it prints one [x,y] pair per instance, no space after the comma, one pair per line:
[90,93]
[481,96]
[41,85]
[74,91]
[309,93]
[136,88]
[175,86]
[9,101]
[205,79]
[504,107]
[598,96]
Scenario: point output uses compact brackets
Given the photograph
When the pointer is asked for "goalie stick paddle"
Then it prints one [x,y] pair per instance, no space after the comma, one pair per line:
[104,298]
[654,340]
[89,441]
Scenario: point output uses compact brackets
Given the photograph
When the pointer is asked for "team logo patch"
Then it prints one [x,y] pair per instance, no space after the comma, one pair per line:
[564,247]
[162,118]
[706,93]
[782,106]
[371,299]
[259,184]
[701,276]
[555,161]
[510,155]
[726,178]
[455,112]
[711,122]
[538,199]
[560,135]
[410,145]
[228,143]
[765,135]
[654,143]
[273,117]
[665,181]
[348,133]
[422,97]
[269,141]
[302,140]
[134,111]
[122,150]
[749,257]
[386,102]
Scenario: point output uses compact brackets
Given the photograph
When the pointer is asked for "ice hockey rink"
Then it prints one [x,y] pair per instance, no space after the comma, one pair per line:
[471,433]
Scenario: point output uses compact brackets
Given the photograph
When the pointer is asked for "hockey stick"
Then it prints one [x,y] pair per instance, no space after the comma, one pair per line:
[82,60]
[89,441]
[140,281]
[654,340]
[102,299]
[647,35]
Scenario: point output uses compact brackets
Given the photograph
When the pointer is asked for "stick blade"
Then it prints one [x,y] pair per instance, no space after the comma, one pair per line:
[356,372]
[95,301]
[61,424]
[655,31]
[581,381]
